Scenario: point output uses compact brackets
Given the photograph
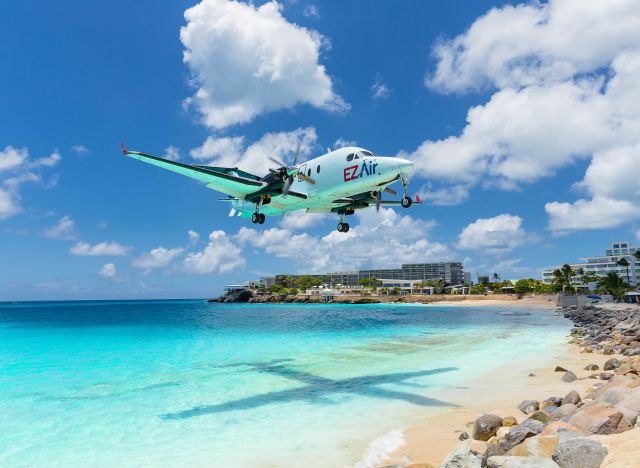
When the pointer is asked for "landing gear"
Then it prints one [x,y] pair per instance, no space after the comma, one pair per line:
[257,218]
[343,227]
[406,200]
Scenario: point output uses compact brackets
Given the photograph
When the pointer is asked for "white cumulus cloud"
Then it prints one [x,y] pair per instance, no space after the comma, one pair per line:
[219,256]
[379,90]
[157,258]
[246,60]
[496,235]
[64,229]
[254,158]
[102,248]
[107,271]
[564,75]
[80,150]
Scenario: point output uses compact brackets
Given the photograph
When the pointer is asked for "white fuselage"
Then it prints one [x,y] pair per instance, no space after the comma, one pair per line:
[338,174]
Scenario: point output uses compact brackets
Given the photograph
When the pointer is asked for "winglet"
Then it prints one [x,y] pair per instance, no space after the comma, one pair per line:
[418,199]
[124,150]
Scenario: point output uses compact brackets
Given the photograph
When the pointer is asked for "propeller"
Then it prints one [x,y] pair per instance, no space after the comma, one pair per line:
[378,201]
[287,173]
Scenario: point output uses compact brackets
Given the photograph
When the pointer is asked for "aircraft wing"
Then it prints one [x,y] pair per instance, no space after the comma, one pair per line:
[231,181]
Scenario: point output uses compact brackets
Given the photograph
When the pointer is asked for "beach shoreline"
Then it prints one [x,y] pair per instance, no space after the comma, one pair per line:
[498,392]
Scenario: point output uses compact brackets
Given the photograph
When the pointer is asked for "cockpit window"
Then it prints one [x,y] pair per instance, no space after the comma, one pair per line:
[356,156]
[350,157]
[367,153]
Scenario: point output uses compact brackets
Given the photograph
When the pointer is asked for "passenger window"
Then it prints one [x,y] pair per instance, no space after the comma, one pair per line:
[318,170]
[350,157]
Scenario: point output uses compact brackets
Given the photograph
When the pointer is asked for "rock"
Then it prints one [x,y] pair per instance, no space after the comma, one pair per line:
[560,369]
[556,426]
[461,457]
[515,436]
[540,416]
[591,367]
[579,453]
[630,406]
[537,446]
[551,401]
[492,450]
[564,411]
[615,395]
[509,421]
[463,436]
[486,426]
[605,376]
[611,364]
[571,397]
[599,418]
[504,461]
[529,406]
[533,425]
[569,377]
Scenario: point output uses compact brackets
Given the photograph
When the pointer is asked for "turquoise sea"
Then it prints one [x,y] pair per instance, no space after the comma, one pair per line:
[186,383]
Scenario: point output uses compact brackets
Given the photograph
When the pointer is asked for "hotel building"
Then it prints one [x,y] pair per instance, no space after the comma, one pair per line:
[601,265]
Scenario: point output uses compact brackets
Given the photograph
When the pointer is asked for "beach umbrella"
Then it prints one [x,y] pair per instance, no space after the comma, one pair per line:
[593,296]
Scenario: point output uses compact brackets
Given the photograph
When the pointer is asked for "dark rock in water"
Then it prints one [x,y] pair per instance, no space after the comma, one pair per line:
[463,436]
[569,377]
[485,427]
[579,453]
[239,295]
[605,376]
[560,369]
[529,406]
[571,397]
[591,367]
[515,436]
[533,425]
[611,364]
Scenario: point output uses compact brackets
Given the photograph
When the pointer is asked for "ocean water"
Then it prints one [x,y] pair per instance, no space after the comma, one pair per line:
[186,383]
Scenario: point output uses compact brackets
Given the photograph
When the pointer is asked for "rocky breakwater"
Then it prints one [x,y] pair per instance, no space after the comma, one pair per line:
[570,431]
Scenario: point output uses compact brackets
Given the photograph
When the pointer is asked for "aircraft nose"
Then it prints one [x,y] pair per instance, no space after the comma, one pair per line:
[404,164]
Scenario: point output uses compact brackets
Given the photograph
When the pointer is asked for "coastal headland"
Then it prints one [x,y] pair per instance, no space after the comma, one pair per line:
[577,408]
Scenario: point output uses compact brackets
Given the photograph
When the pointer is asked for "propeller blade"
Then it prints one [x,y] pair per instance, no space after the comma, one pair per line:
[295,159]
[391,191]
[378,201]
[306,178]
[279,163]
[287,186]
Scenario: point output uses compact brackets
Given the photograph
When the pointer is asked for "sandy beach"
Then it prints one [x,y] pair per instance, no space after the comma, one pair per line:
[498,392]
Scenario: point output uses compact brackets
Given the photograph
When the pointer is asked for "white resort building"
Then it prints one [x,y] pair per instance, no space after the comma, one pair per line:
[601,265]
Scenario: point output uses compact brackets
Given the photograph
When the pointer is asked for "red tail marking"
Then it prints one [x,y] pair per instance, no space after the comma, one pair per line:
[418,199]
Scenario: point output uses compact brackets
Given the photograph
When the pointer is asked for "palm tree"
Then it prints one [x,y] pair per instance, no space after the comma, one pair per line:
[625,263]
[613,284]
[562,277]
[637,254]
[496,277]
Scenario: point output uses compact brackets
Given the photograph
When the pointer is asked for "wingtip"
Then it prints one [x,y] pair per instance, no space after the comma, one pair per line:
[124,150]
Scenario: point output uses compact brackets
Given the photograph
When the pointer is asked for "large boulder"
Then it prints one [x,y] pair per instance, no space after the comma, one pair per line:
[615,395]
[591,367]
[537,446]
[533,425]
[485,427]
[505,461]
[509,421]
[564,411]
[462,457]
[611,364]
[540,416]
[515,436]
[529,406]
[571,397]
[556,426]
[579,452]
[551,401]
[569,377]
[599,418]
[630,406]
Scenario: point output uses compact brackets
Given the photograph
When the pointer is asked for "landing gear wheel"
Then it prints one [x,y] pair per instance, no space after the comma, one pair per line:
[262,218]
[343,227]
[406,202]
[255,218]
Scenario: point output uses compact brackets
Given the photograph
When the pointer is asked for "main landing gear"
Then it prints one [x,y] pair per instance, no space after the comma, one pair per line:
[342,226]
[406,200]
[257,218]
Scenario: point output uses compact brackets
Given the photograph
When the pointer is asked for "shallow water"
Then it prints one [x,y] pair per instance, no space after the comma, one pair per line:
[186,383]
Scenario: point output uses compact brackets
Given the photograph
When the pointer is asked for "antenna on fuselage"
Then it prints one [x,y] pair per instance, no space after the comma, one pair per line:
[328,150]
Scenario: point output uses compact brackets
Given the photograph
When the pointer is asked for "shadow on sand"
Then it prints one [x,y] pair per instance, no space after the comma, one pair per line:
[318,387]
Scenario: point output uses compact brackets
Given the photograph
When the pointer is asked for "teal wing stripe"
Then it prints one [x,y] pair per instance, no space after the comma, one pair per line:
[195,172]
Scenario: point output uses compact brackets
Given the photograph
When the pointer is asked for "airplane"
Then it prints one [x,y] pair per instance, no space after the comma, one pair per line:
[340,181]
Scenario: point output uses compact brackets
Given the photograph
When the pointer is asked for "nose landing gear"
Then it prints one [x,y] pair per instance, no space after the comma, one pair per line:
[258,218]
[406,200]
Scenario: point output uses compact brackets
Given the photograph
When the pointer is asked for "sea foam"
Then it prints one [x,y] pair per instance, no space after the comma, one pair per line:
[381,448]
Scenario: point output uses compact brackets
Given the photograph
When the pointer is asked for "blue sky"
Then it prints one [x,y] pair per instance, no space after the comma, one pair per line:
[522,120]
